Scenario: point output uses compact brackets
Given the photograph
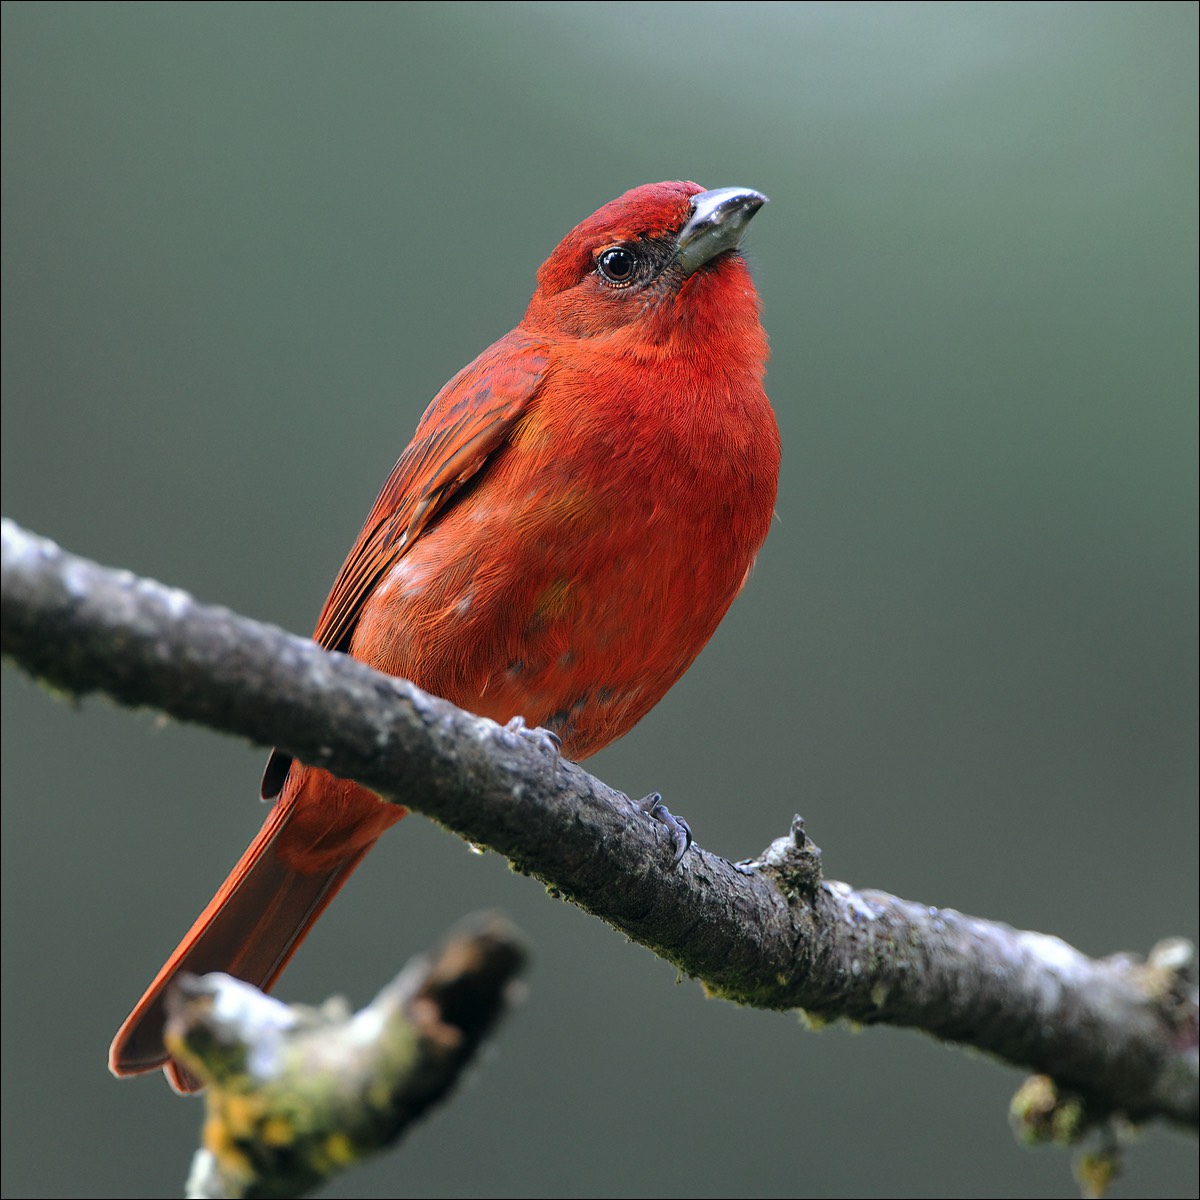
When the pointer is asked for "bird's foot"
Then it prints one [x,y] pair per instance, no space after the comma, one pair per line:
[679,829]
[546,740]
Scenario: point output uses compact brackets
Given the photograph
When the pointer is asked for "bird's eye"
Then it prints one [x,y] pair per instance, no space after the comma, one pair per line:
[617,265]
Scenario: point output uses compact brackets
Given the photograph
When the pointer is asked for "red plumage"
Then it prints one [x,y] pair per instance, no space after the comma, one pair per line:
[577,510]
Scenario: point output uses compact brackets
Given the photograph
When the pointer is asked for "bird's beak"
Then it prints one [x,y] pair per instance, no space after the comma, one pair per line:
[718,220]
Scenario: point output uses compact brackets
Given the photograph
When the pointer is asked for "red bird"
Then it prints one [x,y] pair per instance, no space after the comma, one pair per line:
[575,514]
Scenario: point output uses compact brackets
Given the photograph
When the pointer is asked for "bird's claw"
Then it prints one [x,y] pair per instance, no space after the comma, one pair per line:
[545,739]
[679,829]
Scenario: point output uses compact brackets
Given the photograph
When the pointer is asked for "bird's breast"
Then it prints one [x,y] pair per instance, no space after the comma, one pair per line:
[579,575]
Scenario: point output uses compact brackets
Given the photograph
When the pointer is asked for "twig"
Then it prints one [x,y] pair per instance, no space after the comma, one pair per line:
[297,1094]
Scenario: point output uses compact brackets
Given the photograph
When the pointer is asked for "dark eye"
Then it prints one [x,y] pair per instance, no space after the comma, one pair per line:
[617,265]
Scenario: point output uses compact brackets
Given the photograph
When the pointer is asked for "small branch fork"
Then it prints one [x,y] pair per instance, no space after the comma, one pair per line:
[296,1094]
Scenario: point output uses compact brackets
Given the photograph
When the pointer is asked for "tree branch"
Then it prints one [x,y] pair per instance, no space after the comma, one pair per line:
[296,1094]
[1119,1032]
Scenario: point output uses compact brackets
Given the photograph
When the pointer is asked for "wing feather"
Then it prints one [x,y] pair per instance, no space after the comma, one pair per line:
[467,421]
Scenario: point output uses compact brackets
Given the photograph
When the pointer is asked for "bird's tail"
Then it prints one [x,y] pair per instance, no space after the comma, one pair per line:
[315,835]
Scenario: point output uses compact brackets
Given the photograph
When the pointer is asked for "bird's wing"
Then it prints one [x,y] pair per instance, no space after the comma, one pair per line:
[466,422]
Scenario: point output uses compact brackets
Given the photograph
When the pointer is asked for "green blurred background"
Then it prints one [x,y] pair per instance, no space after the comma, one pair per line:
[245,244]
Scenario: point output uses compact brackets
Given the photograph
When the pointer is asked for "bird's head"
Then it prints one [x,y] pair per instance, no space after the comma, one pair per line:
[663,257]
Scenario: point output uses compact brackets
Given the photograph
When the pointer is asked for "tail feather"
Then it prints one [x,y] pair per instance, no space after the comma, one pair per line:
[257,920]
